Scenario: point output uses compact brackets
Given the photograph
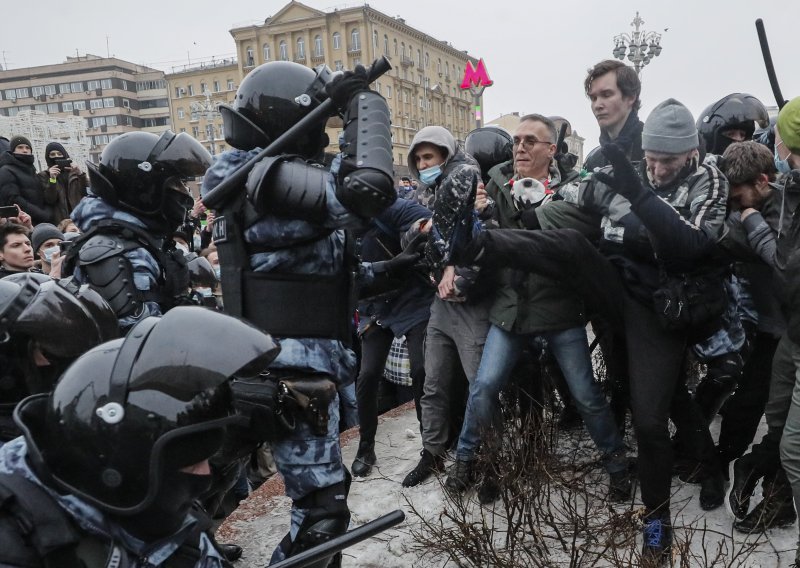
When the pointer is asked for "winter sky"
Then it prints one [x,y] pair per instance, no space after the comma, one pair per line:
[536,52]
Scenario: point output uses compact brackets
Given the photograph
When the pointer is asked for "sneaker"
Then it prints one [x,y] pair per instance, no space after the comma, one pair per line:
[365,459]
[620,486]
[745,480]
[712,491]
[657,545]
[769,514]
[427,466]
[489,489]
[460,477]
[453,218]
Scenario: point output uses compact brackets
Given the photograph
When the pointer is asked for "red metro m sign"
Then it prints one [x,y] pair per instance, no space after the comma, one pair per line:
[476,76]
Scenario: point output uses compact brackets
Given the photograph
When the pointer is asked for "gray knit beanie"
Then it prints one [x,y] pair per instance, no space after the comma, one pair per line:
[43,232]
[670,128]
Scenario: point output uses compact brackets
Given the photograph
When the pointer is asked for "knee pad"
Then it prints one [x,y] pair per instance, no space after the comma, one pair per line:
[327,516]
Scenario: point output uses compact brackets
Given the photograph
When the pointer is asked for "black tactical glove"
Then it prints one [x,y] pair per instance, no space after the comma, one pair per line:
[625,179]
[405,260]
[344,86]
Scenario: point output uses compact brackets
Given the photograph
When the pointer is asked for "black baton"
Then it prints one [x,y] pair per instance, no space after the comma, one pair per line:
[326,549]
[220,194]
[773,79]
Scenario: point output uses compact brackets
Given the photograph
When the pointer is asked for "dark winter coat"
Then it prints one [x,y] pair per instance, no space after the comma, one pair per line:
[527,302]
[19,185]
[629,139]
[65,194]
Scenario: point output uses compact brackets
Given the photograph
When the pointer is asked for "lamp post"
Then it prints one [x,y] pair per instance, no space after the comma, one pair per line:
[640,46]
[208,108]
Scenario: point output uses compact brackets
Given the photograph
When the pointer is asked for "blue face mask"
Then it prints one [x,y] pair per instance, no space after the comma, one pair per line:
[782,166]
[430,175]
[49,252]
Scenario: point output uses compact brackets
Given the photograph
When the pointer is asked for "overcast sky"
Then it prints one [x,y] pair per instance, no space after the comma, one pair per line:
[536,52]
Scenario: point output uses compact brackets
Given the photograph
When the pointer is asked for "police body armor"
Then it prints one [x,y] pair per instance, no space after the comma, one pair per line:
[100,253]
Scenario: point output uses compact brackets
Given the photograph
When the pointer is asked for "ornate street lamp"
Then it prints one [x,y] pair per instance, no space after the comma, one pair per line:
[640,46]
[208,108]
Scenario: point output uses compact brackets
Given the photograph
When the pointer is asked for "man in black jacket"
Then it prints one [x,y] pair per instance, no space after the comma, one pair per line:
[19,184]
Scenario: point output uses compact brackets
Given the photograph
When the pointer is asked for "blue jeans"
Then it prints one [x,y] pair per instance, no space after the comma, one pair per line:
[570,347]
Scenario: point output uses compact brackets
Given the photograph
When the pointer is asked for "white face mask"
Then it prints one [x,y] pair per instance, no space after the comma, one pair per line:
[49,252]
[182,247]
[205,292]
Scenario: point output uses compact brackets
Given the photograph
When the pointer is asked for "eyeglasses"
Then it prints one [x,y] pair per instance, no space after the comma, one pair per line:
[529,142]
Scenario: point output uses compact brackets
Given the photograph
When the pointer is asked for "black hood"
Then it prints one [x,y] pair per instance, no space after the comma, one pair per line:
[54,146]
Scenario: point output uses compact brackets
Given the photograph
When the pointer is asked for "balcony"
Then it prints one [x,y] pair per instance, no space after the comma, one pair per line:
[354,50]
[406,61]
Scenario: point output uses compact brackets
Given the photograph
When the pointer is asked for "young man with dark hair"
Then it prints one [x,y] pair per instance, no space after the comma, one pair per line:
[613,89]
[16,254]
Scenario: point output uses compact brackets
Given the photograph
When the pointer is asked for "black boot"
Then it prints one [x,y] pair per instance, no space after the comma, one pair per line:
[620,486]
[771,513]
[460,477]
[718,385]
[231,552]
[489,490]
[745,480]
[365,459]
[712,491]
[427,466]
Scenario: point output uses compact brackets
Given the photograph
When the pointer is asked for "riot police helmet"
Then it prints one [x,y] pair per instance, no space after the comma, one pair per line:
[131,411]
[735,112]
[143,174]
[271,99]
[201,273]
[489,145]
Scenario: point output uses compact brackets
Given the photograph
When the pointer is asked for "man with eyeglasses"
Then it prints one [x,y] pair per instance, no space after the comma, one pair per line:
[526,306]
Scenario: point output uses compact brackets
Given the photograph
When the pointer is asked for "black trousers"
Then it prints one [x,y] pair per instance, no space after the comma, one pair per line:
[657,387]
[375,344]
[742,412]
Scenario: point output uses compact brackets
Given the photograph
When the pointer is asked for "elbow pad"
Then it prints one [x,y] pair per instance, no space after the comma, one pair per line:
[289,188]
[366,175]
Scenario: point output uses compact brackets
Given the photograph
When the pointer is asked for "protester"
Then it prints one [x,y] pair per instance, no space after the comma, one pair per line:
[19,185]
[64,181]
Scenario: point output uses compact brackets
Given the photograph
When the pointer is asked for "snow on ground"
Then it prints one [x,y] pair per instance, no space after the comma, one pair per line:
[261,521]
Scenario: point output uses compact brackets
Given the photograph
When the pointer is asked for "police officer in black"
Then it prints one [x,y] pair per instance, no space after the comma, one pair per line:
[111,461]
[137,200]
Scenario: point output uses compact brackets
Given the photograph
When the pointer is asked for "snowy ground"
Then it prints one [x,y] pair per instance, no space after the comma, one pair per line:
[261,521]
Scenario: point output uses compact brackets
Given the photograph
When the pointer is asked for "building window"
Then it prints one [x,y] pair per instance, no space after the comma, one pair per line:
[181,113]
[196,131]
[375,40]
[283,51]
[447,69]
[126,103]
[203,88]
[250,58]
[355,40]
[216,86]
[22,93]
[96,103]
[356,62]
[337,40]
[402,49]
[125,84]
[63,88]
[37,91]
[76,87]
[395,47]
[388,91]
[92,85]
[52,107]
[318,46]
[338,65]
[385,44]
[178,92]
[98,121]
[108,102]
[378,87]
[230,84]
[419,58]
[105,84]
[301,48]
[111,120]
[427,60]
[80,105]
[439,67]
[190,89]
[265,52]
[66,107]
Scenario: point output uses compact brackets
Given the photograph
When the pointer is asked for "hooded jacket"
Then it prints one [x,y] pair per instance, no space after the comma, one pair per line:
[69,188]
[527,302]
[19,185]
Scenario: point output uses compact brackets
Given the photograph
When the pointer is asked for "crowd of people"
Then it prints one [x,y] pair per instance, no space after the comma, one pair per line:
[674,243]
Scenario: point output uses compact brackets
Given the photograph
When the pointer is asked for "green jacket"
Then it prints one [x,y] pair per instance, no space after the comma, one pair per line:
[527,302]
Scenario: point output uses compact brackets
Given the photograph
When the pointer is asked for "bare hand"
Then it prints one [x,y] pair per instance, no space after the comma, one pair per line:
[55,265]
[481,198]
[22,218]
[209,219]
[75,168]
[198,208]
[54,171]
[446,288]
